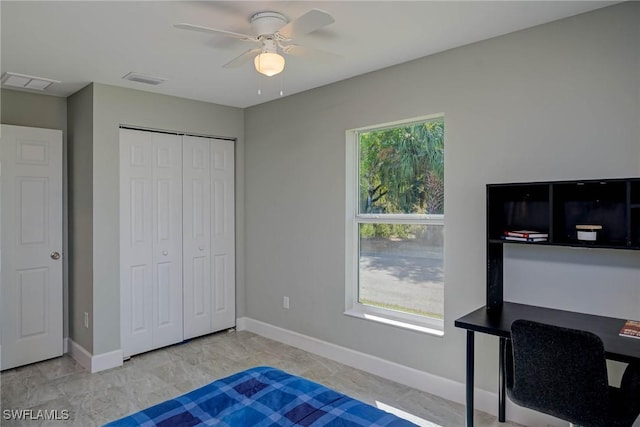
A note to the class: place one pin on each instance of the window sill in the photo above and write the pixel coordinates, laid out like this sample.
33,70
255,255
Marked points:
429,330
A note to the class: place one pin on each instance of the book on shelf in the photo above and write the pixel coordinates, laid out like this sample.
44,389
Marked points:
525,239
526,233
630,329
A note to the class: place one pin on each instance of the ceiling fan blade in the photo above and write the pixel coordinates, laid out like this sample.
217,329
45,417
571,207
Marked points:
242,58
309,52
307,23
226,33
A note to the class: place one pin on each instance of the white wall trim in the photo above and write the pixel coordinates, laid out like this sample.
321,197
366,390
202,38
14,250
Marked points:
104,361
80,355
65,345
446,388
94,363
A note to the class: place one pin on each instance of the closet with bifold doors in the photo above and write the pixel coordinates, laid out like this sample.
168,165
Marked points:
177,238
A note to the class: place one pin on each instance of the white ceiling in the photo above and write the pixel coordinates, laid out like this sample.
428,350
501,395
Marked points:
78,42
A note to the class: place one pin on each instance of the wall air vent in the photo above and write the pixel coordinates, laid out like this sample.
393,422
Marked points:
23,81
143,78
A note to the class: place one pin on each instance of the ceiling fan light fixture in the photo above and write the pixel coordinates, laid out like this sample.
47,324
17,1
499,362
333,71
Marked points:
269,63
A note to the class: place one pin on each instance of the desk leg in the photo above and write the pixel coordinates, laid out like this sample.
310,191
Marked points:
501,381
470,363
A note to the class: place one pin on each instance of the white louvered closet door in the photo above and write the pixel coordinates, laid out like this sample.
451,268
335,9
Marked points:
151,240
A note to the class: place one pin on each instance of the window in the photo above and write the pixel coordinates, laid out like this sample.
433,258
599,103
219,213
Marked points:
395,224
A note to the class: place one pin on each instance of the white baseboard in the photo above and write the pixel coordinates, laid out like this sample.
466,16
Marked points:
104,361
420,380
80,355
94,363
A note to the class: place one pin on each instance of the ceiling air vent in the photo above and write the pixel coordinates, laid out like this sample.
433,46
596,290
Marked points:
23,81
143,78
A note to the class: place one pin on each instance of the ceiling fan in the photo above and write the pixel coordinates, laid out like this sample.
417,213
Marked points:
274,34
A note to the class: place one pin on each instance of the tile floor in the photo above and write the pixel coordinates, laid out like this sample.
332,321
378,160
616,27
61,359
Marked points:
150,378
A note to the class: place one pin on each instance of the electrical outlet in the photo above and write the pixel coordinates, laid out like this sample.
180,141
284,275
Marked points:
86,320
285,302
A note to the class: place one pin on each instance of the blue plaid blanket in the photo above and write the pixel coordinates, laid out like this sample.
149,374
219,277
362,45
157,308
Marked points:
262,396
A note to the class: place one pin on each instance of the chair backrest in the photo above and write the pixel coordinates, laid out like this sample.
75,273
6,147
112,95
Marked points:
558,371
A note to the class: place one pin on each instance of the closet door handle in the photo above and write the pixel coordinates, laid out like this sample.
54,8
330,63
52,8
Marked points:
55,255
201,248
165,253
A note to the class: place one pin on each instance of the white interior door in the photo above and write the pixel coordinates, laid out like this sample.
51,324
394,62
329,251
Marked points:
209,235
31,248
150,240
136,242
197,235
177,254
167,239
223,234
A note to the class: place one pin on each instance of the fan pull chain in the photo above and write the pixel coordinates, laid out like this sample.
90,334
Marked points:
281,84
258,84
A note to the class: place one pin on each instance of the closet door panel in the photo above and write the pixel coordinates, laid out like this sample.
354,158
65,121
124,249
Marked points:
167,239
178,238
196,235
136,241
223,234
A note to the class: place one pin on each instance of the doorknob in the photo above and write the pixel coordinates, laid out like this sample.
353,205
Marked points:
55,255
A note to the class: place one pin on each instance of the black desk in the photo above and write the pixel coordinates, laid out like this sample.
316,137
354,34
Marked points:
498,322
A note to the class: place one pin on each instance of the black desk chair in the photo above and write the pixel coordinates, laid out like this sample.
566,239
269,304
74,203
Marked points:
562,372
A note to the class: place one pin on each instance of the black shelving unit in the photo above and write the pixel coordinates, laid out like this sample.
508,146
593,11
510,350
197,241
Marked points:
556,207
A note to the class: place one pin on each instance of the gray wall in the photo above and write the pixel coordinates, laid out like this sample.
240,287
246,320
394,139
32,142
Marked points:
558,101
113,106
80,120
34,110
42,111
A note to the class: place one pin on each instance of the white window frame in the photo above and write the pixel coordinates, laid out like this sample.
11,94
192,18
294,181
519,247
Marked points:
353,220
